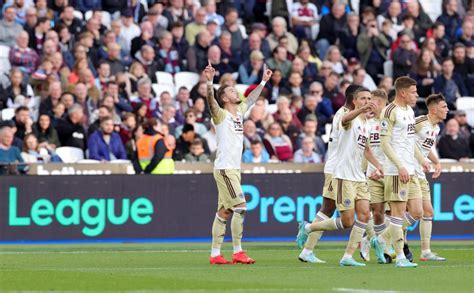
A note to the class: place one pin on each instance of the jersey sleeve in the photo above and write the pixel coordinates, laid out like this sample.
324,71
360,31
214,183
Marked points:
420,122
243,107
219,117
387,121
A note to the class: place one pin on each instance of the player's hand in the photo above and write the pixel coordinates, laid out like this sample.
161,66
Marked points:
426,167
403,174
267,73
370,107
437,172
209,71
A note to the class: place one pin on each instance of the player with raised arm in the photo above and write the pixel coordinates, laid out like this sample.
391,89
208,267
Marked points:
401,186
427,130
352,195
229,130
329,198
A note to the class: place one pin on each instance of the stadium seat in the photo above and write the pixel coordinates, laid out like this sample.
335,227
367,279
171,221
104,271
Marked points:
164,77
4,61
433,8
8,114
118,161
106,18
241,88
388,68
187,79
272,108
145,4
448,161
78,14
467,104
70,154
355,5
235,75
162,87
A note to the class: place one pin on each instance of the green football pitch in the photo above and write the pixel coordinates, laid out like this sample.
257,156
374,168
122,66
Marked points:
185,267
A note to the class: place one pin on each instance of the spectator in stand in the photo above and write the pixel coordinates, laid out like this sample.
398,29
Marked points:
168,56
129,122
183,103
23,57
16,88
404,57
89,104
467,32
149,62
203,115
278,30
103,77
183,143
283,103
310,129
145,96
250,133
372,46
443,46
113,59
177,12
196,152
464,128
46,134
306,153
451,19
168,118
229,56
255,153
31,21
280,61
255,42
393,14
197,53
191,119
32,152
278,144
23,122
195,27
105,144
236,30
304,20
8,152
339,99
424,73
214,56
134,74
70,130
9,29
348,36
128,31
462,65
145,38
276,87
330,25
295,84
179,41
450,84
452,145
252,70
324,110
422,20
289,127
68,19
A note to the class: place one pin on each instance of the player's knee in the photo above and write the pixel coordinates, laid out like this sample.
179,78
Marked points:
328,208
428,213
363,216
379,216
347,222
224,213
416,213
240,210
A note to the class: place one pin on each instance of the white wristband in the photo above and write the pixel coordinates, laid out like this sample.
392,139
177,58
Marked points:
263,82
209,82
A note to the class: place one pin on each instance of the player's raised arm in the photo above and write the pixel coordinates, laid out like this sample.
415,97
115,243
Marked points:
253,96
209,71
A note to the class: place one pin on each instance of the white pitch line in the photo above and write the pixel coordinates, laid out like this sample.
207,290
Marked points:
357,290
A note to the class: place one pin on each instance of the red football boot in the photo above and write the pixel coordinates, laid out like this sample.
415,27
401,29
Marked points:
242,257
219,260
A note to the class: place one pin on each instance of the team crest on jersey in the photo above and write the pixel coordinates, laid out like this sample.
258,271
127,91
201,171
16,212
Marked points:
403,193
347,202
384,124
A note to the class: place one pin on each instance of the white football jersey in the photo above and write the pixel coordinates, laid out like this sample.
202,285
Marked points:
374,142
333,138
400,124
350,151
230,138
426,134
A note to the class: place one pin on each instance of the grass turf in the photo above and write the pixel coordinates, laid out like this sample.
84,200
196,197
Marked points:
185,267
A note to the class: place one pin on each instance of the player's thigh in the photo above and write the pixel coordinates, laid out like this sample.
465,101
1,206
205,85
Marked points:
414,189
425,189
346,192
376,190
415,207
228,186
328,188
394,189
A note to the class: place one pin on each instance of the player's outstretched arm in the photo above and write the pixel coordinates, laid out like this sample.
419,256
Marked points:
351,115
209,71
253,96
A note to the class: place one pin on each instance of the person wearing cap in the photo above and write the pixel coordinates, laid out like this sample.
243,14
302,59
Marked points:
252,70
194,28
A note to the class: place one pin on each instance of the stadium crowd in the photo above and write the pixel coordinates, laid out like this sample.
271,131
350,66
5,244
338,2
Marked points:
83,73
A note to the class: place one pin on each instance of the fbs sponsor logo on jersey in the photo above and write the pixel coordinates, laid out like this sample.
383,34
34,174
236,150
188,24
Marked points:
92,215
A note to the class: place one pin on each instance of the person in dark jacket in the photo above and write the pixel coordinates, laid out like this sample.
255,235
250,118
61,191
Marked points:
450,84
70,130
197,54
329,27
451,20
453,145
404,57
183,143
105,144
45,132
